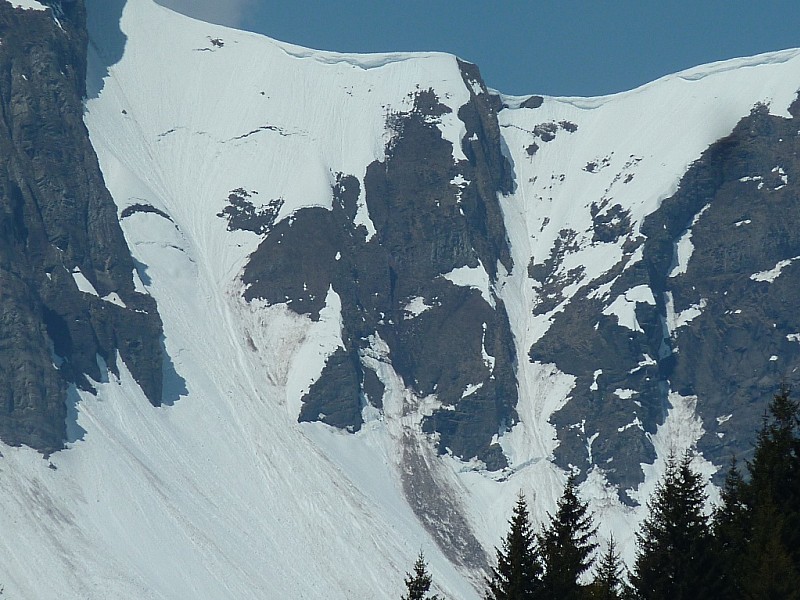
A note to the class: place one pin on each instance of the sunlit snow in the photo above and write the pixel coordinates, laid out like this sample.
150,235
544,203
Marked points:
624,306
222,493
474,277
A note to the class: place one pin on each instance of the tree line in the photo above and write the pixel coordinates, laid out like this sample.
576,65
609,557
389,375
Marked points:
748,548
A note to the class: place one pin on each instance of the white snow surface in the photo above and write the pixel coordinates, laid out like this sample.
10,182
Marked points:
474,277
27,4
772,274
675,320
223,494
635,131
84,285
685,247
415,307
624,306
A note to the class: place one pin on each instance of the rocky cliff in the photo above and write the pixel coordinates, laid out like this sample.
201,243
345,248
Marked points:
69,305
699,308
437,220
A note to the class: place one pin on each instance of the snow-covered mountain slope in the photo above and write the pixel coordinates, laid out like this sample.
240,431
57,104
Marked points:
391,299
609,235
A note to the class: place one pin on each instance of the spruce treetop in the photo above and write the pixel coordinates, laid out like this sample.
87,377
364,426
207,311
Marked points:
518,572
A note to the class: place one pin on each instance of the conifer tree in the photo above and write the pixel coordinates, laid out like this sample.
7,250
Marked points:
757,527
673,555
767,567
419,581
608,581
775,468
732,531
518,573
567,547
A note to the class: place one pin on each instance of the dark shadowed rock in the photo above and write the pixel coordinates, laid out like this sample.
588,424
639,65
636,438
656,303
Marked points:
426,226
740,200
532,102
58,224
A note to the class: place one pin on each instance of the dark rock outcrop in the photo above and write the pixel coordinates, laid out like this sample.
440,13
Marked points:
59,225
432,215
736,344
742,201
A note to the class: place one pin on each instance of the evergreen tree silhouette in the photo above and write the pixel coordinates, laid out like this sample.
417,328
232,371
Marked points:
567,546
518,574
757,526
419,581
609,583
673,557
732,530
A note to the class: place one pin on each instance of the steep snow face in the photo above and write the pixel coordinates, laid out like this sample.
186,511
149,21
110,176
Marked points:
221,492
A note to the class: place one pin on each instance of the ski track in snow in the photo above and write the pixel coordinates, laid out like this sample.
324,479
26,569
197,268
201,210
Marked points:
224,494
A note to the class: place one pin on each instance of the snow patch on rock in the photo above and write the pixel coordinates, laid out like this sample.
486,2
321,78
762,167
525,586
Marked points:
773,273
415,307
684,247
474,277
27,4
624,306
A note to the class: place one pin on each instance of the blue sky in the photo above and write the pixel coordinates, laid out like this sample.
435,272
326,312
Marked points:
566,47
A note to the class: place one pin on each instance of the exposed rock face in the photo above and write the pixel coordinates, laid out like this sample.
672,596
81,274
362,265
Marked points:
715,302
435,218
59,234
743,199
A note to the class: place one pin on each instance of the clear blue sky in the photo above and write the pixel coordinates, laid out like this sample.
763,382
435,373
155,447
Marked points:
566,47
